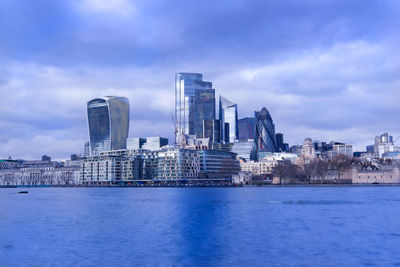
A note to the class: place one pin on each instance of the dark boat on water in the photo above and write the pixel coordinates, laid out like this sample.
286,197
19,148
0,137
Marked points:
23,192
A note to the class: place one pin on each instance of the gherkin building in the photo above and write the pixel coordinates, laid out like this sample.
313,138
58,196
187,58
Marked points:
265,132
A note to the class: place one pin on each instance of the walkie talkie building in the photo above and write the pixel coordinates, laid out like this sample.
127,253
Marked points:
108,121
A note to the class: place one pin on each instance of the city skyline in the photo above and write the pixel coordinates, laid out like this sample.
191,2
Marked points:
337,64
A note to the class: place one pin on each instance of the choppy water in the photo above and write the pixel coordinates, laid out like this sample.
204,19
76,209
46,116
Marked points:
268,226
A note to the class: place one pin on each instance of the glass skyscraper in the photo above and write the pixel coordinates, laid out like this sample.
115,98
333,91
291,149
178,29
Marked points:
265,132
194,102
204,110
108,121
228,114
247,127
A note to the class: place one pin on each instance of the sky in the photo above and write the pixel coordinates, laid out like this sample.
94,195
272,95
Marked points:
325,69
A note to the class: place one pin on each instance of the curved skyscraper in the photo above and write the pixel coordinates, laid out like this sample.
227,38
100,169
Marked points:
265,132
108,120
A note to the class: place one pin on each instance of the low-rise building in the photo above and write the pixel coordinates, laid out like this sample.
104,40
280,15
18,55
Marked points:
384,175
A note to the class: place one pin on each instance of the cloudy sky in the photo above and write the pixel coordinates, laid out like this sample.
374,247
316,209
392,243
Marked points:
329,70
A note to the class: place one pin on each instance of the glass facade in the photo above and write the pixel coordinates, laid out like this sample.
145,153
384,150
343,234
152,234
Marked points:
108,121
247,127
218,164
204,109
265,132
155,143
245,149
135,143
212,130
279,142
186,85
228,114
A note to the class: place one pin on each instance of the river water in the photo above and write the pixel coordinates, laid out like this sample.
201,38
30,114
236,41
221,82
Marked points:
249,226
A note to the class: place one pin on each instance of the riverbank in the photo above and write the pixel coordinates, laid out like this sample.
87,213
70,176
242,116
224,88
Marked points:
204,185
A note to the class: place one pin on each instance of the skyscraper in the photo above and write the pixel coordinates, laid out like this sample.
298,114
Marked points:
108,120
247,127
186,113
204,109
279,142
265,131
228,114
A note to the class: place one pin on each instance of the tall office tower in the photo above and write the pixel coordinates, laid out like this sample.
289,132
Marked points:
204,109
108,119
246,127
186,86
279,142
212,130
383,139
228,114
265,131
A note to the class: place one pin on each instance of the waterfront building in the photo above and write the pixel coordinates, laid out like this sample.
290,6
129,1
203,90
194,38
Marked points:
228,116
9,163
176,164
247,127
108,120
245,149
167,164
45,174
242,178
101,168
217,164
262,167
265,132
186,86
386,175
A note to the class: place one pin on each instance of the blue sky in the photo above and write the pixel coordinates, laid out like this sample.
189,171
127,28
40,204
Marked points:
329,70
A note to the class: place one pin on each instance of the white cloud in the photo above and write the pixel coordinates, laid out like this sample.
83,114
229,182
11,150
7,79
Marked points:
123,8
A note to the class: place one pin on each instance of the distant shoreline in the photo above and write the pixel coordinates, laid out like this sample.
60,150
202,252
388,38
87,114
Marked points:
198,186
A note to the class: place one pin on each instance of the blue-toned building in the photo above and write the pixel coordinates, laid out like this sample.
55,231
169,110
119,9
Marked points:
245,149
247,127
228,116
265,132
189,90
204,110
218,164
108,121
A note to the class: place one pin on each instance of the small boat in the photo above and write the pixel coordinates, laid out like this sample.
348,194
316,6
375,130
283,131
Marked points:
23,192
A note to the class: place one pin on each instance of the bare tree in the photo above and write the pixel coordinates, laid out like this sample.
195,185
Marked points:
286,171
67,177
340,163
322,168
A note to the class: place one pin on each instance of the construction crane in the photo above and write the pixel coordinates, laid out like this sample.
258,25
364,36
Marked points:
175,125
